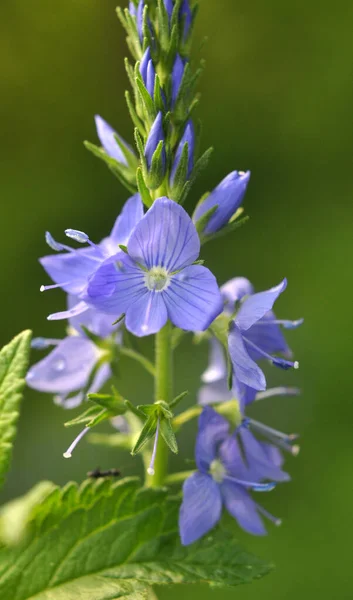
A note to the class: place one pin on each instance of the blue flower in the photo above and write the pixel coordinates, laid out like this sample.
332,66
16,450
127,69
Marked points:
188,138
185,17
71,270
148,73
138,14
169,6
157,280
224,478
177,77
107,136
266,334
227,196
156,136
254,334
65,372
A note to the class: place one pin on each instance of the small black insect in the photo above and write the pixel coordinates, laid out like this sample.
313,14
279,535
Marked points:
98,474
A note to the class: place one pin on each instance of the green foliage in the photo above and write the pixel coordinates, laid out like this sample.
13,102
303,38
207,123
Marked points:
13,366
104,540
125,175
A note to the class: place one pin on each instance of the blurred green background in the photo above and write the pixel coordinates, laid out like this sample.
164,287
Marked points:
277,99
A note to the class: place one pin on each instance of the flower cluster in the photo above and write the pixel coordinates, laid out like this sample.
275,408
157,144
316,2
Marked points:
147,278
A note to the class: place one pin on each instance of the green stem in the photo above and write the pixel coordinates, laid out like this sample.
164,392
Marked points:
186,416
163,391
139,358
178,477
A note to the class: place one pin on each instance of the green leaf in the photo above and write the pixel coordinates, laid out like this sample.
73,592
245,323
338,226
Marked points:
125,176
232,226
105,540
157,171
168,435
143,189
205,219
13,366
178,399
147,433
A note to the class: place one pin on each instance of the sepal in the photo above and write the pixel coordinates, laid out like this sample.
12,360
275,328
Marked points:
124,174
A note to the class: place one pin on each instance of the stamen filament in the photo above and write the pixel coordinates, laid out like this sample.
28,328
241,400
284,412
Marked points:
256,487
71,448
45,288
41,343
268,515
287,447
278,362
277,391
269,431
150,469
286,323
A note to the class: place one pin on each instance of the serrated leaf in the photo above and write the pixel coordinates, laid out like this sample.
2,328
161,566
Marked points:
105,540
13,366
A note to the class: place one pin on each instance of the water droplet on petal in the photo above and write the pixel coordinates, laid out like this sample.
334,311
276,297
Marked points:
59,365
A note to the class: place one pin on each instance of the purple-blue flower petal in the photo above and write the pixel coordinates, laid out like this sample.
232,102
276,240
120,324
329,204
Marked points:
131,214
268,337
215,392
227,196
213,429
241,506
65,369
169,7
217,367
101,377
257,305
193,298
231,458
201,508
245,369
165,237
116,285
71,269
147,314
156,135
177,77
234,290
186,16
78,309
188,138
258,459
97,322
106,136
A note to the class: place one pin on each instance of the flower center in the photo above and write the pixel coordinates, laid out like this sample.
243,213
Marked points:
157,279
217,471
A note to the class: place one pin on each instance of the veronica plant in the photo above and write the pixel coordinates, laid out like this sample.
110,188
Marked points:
147,279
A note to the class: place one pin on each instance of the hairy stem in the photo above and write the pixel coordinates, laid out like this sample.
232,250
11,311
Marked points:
163,391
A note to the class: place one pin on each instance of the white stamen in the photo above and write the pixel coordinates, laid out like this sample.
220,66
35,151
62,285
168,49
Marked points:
71,448
79,236
268,515
278,391
269,431
296,365
44,288
41,343
150,469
